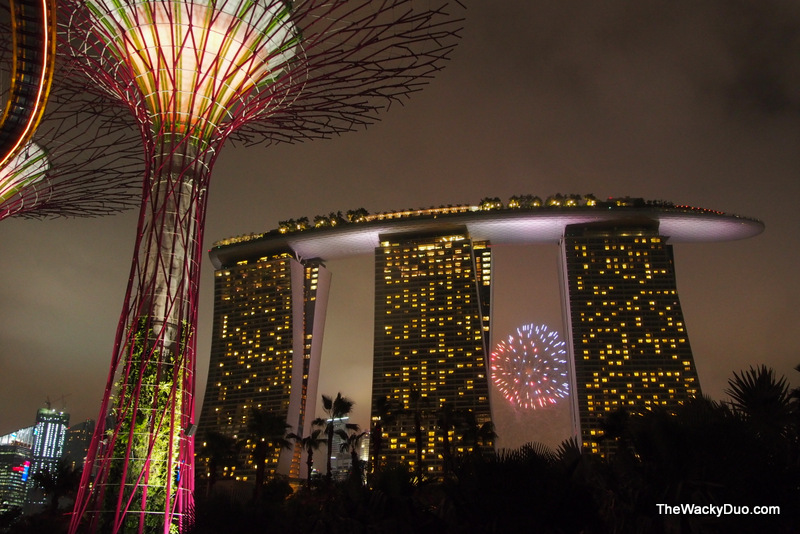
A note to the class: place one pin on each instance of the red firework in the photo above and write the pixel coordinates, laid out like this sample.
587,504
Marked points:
530,370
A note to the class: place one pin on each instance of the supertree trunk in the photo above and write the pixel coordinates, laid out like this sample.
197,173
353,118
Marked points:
144,479
194,73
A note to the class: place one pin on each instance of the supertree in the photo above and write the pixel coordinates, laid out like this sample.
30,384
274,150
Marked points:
195,73
31,27
530,370
74,167
60,158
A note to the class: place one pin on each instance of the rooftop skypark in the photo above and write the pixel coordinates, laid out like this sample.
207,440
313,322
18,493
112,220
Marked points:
554,212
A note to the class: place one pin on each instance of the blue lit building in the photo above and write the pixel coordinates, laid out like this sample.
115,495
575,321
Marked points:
49,435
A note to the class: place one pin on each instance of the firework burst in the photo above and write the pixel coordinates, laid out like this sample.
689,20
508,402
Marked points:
530,370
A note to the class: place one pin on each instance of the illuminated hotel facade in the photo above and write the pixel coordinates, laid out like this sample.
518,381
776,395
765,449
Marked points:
269,315
432,298
630,348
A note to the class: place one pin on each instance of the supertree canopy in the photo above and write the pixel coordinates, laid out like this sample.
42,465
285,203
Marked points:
31,26
193,74
530,370
69,161
23,171
74,167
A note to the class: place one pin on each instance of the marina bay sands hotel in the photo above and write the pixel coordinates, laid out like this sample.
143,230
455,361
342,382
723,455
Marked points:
627,343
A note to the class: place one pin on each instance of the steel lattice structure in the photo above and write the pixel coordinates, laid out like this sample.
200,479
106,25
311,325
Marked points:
77,162
33,34
195,73
76,166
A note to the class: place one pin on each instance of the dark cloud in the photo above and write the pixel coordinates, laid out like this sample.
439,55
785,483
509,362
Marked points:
740,55
763,46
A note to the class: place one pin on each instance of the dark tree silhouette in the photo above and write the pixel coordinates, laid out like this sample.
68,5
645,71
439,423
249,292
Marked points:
703,453
420,405
447,419
334,409
383,413
267,432
762,398
57,482
219,450
309,444
351,439
477,437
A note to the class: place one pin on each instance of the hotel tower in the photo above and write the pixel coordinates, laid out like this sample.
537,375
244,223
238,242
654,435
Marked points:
628,345
432,296
269,315
625,326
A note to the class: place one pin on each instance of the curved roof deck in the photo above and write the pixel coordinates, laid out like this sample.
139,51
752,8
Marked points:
500,226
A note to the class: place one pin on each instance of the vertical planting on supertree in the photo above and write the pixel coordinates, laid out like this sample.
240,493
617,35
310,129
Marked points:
194,74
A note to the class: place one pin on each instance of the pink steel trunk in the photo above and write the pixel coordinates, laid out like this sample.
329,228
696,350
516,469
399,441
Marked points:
193,73
154,363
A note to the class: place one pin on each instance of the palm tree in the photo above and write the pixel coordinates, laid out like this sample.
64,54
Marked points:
795,393
335,409
763,399
358,215
383,414
351,439
705,451
267,431
220,450
419,404
309,444
447,418
491,203
795,412
615,437
477,437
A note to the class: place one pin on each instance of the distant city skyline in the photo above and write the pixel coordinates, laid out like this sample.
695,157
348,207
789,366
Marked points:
16,455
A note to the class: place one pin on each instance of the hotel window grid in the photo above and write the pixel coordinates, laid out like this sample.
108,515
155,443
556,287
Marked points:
629,342
432,296
263,344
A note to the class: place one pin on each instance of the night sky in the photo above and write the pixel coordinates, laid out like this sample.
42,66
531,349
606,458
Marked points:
692,102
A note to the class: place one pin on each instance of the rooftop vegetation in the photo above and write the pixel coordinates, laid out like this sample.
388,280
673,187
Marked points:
493,204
